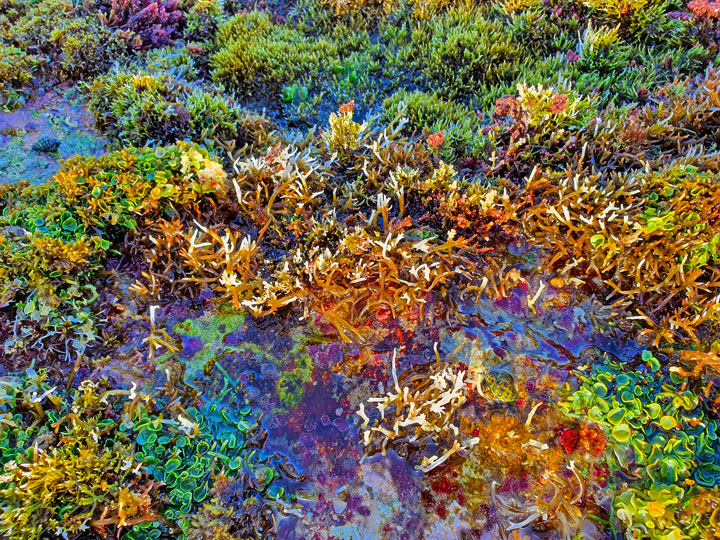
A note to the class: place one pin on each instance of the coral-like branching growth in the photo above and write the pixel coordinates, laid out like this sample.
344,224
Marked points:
57,236
366,272
344,268
649,233
420,408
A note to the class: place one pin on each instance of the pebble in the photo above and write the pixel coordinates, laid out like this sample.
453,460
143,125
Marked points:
46,144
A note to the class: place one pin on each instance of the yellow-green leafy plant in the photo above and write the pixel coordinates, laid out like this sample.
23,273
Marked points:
344,134
57,236
617,9
16,70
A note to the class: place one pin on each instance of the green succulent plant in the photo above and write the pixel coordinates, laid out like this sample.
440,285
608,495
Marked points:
658,429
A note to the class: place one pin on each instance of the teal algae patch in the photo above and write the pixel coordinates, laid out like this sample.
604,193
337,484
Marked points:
209,343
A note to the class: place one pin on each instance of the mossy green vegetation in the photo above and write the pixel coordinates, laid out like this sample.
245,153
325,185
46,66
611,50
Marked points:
139,107
257,55
16,70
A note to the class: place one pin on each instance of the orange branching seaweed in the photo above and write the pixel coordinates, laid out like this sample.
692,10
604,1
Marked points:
563,505
282,190
227,259
333,230
700,361
397,269
648,236
476,208
684,115
367,270
202,255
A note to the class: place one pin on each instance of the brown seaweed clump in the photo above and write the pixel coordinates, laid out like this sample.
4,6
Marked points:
649,237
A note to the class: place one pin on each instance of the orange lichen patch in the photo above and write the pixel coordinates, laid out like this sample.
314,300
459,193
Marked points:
705,9
559,103
506,446
348,107
436,140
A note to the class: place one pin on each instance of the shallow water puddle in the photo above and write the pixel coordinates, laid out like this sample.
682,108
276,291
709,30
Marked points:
57,116
308,385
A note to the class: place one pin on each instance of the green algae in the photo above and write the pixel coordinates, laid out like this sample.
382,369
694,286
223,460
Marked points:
290,384
211,328
523,116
